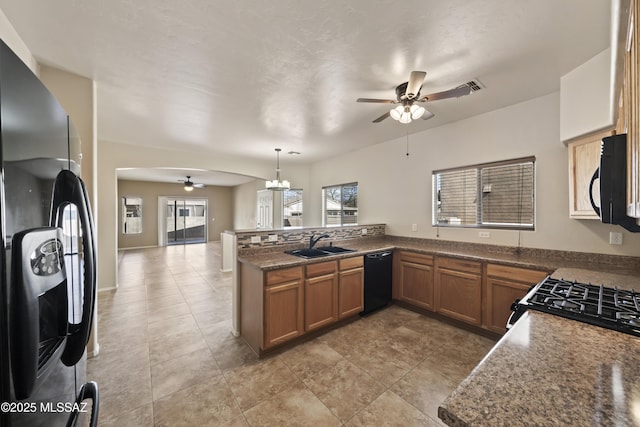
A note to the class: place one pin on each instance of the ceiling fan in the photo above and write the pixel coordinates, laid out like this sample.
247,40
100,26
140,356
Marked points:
408,93
189,185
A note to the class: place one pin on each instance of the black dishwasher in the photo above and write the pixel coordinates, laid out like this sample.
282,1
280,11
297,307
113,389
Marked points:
377,281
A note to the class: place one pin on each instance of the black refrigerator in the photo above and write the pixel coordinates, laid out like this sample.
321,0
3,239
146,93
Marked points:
48,258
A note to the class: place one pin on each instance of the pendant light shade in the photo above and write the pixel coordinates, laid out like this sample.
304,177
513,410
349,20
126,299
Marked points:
277,184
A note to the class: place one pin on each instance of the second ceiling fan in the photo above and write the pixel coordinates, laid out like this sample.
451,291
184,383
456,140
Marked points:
408,93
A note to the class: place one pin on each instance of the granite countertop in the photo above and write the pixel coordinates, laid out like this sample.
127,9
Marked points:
274,257
548,370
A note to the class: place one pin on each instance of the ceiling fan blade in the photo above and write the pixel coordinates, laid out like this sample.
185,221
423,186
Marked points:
452,93
379,101
415,82
427,115
382,117
199,185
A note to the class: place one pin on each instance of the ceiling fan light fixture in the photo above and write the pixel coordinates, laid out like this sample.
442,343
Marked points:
277,184
417,111
188,184
406,118
396,112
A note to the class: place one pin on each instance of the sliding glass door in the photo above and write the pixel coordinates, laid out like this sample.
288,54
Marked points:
186,221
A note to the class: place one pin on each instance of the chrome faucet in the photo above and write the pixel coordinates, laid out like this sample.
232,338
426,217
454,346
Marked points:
313,240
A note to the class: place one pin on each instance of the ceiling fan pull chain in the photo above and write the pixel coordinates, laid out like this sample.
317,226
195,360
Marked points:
407,141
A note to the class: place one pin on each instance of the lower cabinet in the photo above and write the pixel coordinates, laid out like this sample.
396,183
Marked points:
504,285
414,279
320,295
351,287
283,306
458,289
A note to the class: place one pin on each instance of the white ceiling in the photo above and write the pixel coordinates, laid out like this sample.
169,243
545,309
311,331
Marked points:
243,77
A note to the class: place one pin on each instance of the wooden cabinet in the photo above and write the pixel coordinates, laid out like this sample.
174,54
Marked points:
351,294
504,285
584,159
413,279
320,295
630,112
283,306
458,289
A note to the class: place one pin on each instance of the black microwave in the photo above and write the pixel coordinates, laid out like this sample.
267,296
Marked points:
613,183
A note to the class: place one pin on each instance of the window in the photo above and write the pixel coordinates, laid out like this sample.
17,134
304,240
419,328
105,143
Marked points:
292,208
491,195
131,215
340,204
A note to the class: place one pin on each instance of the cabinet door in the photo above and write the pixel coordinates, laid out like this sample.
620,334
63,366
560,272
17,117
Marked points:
283,313
584,159
501,293
351,292
416,284
320,301
458,294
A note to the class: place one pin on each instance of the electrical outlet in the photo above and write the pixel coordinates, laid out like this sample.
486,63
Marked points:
364,231
255,239
414,227
484,234
615,238
273,237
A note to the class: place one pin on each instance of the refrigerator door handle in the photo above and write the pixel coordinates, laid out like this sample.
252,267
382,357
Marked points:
70,190
87,391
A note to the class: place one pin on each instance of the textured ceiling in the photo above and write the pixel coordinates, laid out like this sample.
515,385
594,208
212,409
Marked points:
242,77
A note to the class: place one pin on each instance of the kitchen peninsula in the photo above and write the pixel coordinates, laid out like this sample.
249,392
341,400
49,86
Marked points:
549,370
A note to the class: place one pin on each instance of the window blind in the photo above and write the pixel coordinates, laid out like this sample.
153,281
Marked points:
496,195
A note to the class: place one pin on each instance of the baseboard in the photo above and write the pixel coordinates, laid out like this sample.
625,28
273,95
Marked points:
138,247
111,288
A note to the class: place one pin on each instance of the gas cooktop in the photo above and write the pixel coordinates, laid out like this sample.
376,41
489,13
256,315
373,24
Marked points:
607,307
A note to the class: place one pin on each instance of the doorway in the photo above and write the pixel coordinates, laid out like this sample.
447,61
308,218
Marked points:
185,221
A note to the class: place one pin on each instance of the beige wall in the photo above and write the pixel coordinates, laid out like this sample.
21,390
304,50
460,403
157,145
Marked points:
11,38
396,190
220,209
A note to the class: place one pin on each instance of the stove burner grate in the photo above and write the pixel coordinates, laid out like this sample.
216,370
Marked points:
611,308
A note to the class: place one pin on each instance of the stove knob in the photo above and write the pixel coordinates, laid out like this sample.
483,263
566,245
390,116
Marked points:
514,305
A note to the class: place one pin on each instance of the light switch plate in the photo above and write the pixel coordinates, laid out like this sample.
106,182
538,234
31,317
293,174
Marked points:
414,227
255,239
273,237
484,234
364,231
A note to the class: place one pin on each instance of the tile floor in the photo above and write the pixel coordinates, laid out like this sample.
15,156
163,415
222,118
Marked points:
167,357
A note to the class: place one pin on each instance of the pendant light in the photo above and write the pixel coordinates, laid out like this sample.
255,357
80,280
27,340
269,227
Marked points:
276,184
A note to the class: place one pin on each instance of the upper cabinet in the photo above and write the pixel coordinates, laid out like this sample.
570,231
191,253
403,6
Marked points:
629,120
585,98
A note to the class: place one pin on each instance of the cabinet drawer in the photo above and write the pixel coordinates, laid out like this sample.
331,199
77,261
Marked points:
523,275
349,263
416,258
321,268
283,275
460,265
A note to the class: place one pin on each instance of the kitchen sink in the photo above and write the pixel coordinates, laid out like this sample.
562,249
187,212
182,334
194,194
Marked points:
308,253
319,252
334,249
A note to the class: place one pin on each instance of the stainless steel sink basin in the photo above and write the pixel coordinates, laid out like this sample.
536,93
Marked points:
319,252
